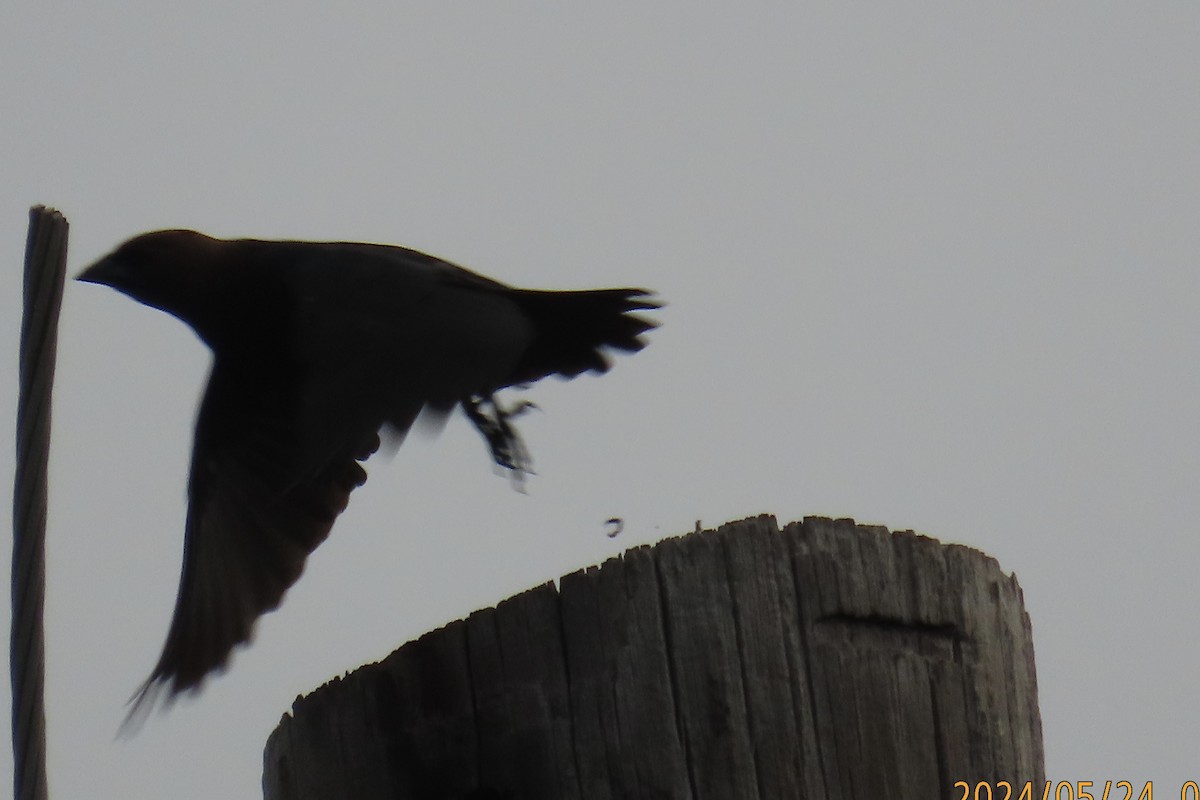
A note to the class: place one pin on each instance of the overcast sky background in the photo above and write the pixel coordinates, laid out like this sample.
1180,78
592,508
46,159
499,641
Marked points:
929,266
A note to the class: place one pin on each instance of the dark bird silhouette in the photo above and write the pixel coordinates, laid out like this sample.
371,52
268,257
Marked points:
317,346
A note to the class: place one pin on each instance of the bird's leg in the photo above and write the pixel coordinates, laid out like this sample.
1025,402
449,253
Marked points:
508,451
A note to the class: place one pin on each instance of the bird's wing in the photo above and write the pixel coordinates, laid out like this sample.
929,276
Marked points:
256,509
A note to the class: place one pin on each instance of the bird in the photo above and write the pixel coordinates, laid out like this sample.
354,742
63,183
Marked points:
317,349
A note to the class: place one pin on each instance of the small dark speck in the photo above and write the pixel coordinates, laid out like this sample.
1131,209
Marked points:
615,526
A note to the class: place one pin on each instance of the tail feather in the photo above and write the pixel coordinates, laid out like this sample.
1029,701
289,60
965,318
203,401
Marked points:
574,329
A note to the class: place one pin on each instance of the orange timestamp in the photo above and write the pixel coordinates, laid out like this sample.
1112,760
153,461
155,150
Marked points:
1066,790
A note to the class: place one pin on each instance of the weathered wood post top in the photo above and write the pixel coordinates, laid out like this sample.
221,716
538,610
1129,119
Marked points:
824,660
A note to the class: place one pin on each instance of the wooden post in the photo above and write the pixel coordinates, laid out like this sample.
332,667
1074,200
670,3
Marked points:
823,661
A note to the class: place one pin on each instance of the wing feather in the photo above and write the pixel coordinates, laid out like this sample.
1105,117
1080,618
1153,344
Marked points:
255,512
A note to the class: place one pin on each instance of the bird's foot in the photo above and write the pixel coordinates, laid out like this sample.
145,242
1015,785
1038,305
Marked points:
508,450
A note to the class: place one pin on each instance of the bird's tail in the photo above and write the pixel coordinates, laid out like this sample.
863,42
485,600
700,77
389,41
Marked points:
574,329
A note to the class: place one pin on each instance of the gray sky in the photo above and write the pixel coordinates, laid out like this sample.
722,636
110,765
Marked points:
929,266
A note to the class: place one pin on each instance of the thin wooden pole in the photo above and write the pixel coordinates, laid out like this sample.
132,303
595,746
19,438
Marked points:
45,268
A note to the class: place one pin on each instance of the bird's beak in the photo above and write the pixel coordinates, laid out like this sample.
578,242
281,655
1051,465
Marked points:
106,271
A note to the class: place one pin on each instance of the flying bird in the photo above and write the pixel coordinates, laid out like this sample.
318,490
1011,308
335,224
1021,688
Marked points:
317,347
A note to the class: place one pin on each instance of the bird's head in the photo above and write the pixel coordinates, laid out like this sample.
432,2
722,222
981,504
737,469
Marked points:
175,271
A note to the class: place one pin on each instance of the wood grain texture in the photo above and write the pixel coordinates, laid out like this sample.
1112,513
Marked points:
823,661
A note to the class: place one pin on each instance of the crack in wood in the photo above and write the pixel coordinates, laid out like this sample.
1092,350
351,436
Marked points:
931,640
